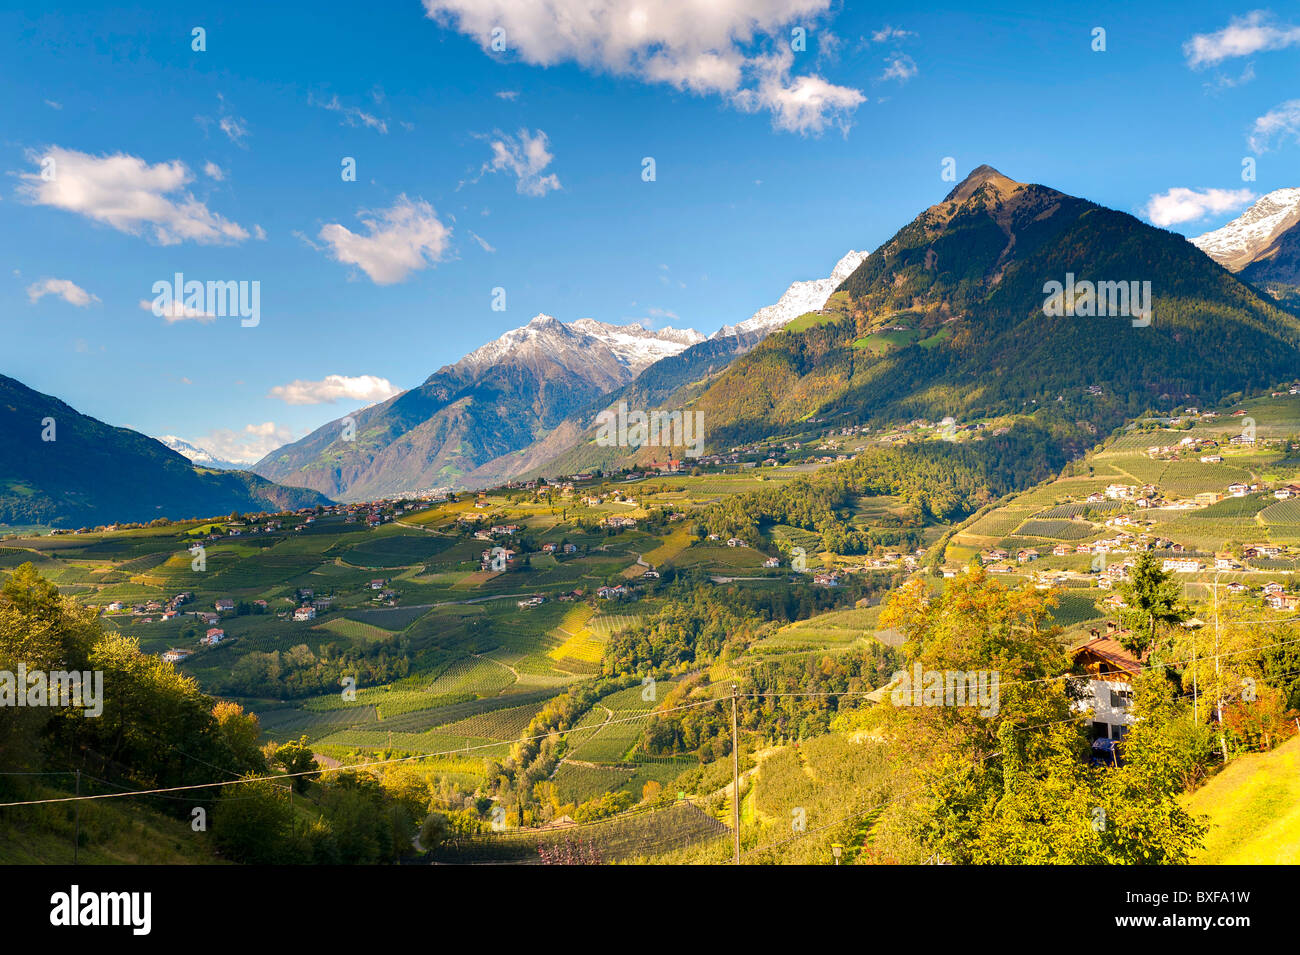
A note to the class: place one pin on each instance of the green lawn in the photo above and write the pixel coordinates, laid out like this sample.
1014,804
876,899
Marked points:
1254,810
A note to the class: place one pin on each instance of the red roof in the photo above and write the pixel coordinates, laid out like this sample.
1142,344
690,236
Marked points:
1110,652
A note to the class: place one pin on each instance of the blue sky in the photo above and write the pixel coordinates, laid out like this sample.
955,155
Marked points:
522,168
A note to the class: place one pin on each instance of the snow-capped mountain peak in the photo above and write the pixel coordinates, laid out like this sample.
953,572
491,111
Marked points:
799,298
197,454
1237,244
632,346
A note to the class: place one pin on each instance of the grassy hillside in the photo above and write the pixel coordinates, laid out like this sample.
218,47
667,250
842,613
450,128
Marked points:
1254,810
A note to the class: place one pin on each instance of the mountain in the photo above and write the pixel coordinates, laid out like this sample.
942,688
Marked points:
799,299
672,381
64,468
949,317
495,400
1250,237
197,455
568,448
1277,267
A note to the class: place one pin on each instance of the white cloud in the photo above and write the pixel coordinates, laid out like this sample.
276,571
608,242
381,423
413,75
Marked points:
367,389
508,95
525,158
70,292
179,312
1179,204
400,240
487,247
1242,36
887,33
802,104
1279,122
213,171
53,104
706,47
248,446
899,67
128,194
235,128
352,115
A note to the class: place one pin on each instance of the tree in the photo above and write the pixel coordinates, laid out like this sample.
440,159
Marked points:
1154,598
296,757
238,731
1013,785
253,823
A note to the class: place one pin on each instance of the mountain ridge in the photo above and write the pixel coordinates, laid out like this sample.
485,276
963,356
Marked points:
496,400
64,468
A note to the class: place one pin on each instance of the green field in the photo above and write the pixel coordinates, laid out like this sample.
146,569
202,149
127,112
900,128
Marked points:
1253,810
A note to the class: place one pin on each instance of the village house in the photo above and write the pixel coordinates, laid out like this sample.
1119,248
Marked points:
224,604
213,637
486,559
1282,602
1109,671
176,656
1180,565
304,613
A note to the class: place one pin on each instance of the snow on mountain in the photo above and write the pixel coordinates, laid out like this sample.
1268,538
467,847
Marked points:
198,455
799,298
1235,245
585,341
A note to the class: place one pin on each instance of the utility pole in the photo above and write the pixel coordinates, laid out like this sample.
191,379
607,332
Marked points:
76,842
1218,685
735,776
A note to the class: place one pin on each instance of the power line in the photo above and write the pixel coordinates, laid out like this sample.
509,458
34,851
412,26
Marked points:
352,766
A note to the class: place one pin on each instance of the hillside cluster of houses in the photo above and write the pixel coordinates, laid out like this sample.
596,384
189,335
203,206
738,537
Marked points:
166,610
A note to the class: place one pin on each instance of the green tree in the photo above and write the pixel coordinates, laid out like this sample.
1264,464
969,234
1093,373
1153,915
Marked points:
1154,599
296,757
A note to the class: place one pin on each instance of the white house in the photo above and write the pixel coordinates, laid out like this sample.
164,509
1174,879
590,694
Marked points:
1107,685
